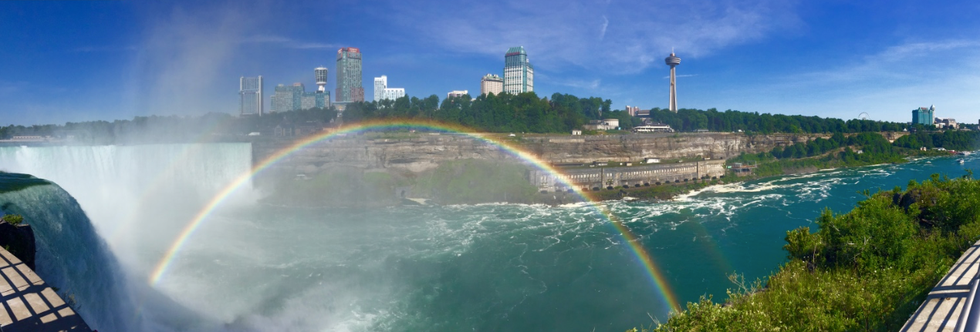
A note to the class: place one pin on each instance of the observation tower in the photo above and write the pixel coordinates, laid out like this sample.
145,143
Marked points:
321,79
673,61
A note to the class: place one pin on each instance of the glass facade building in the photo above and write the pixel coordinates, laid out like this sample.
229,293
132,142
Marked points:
294,97
349,87
250,95
923,116
518,72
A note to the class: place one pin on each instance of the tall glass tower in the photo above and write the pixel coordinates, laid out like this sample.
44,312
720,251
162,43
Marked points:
349,88
518,72
250,95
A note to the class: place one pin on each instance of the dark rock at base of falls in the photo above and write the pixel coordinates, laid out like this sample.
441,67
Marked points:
18,240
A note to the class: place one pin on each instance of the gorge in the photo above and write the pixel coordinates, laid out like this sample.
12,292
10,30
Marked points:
497,266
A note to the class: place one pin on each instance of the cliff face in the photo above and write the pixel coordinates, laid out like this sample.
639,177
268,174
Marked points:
623,148
20,241
377,168
416,153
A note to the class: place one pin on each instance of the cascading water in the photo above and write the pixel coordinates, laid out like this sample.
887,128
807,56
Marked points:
138,199
486,267
70,255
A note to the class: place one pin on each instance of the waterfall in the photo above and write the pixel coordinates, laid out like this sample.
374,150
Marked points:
132,202
70,255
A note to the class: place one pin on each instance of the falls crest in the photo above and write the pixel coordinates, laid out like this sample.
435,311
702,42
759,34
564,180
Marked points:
120,210
70,255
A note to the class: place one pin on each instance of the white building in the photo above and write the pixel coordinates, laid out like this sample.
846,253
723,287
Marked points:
605,124
491,83
654,128
382,91
948,123
457,93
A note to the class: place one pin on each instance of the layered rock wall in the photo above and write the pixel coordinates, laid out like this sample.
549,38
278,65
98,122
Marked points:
416,153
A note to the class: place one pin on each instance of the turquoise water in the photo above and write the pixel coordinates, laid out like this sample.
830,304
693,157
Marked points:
488,267
498,267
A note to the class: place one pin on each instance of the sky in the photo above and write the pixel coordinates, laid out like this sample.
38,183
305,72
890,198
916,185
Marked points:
71,61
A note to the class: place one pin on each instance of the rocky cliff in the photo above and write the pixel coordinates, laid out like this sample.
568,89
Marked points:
418,152
18,240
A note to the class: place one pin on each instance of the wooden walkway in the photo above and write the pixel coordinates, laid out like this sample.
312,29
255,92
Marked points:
28,304
942,308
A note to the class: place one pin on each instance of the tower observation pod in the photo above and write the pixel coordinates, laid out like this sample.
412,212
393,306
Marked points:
673,61
321,78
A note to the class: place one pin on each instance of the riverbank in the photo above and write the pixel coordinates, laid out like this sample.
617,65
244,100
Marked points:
867,269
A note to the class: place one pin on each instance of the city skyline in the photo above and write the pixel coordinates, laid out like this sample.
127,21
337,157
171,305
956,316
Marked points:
832,59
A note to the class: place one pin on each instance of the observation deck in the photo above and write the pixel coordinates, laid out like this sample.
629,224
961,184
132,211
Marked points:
28,304
943,307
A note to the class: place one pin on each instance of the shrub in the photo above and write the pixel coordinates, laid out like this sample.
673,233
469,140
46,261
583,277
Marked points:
868,269
13,219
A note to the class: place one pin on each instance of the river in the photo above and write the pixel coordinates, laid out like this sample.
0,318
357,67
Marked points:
485,267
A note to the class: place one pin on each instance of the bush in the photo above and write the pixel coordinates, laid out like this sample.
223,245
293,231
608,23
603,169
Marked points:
13,219
868,269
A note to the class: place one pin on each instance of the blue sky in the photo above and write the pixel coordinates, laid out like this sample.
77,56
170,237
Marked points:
102,60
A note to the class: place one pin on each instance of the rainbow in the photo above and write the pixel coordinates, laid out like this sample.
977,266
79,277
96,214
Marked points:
652,270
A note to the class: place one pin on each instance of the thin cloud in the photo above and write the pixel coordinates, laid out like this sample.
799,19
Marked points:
94,49
885,83
285,42
581,84
602,30
896,64
9,88
557,31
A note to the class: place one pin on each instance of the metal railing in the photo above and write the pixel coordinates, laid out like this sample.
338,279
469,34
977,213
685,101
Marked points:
970,316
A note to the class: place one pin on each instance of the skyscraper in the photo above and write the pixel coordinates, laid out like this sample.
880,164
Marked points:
491,84
673,61
349,88
250,95
518,72
288,98
380,83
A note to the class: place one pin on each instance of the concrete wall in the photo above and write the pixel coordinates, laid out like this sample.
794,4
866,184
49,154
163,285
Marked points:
601,177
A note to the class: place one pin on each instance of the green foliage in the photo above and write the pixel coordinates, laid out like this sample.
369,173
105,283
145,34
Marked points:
520,113
950,140
728,121
13,219
864,270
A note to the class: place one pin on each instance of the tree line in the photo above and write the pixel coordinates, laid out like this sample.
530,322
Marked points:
728,121
525,112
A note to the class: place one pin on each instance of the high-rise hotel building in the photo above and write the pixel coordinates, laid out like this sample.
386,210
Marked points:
250,95
518,72
491,83
349,88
